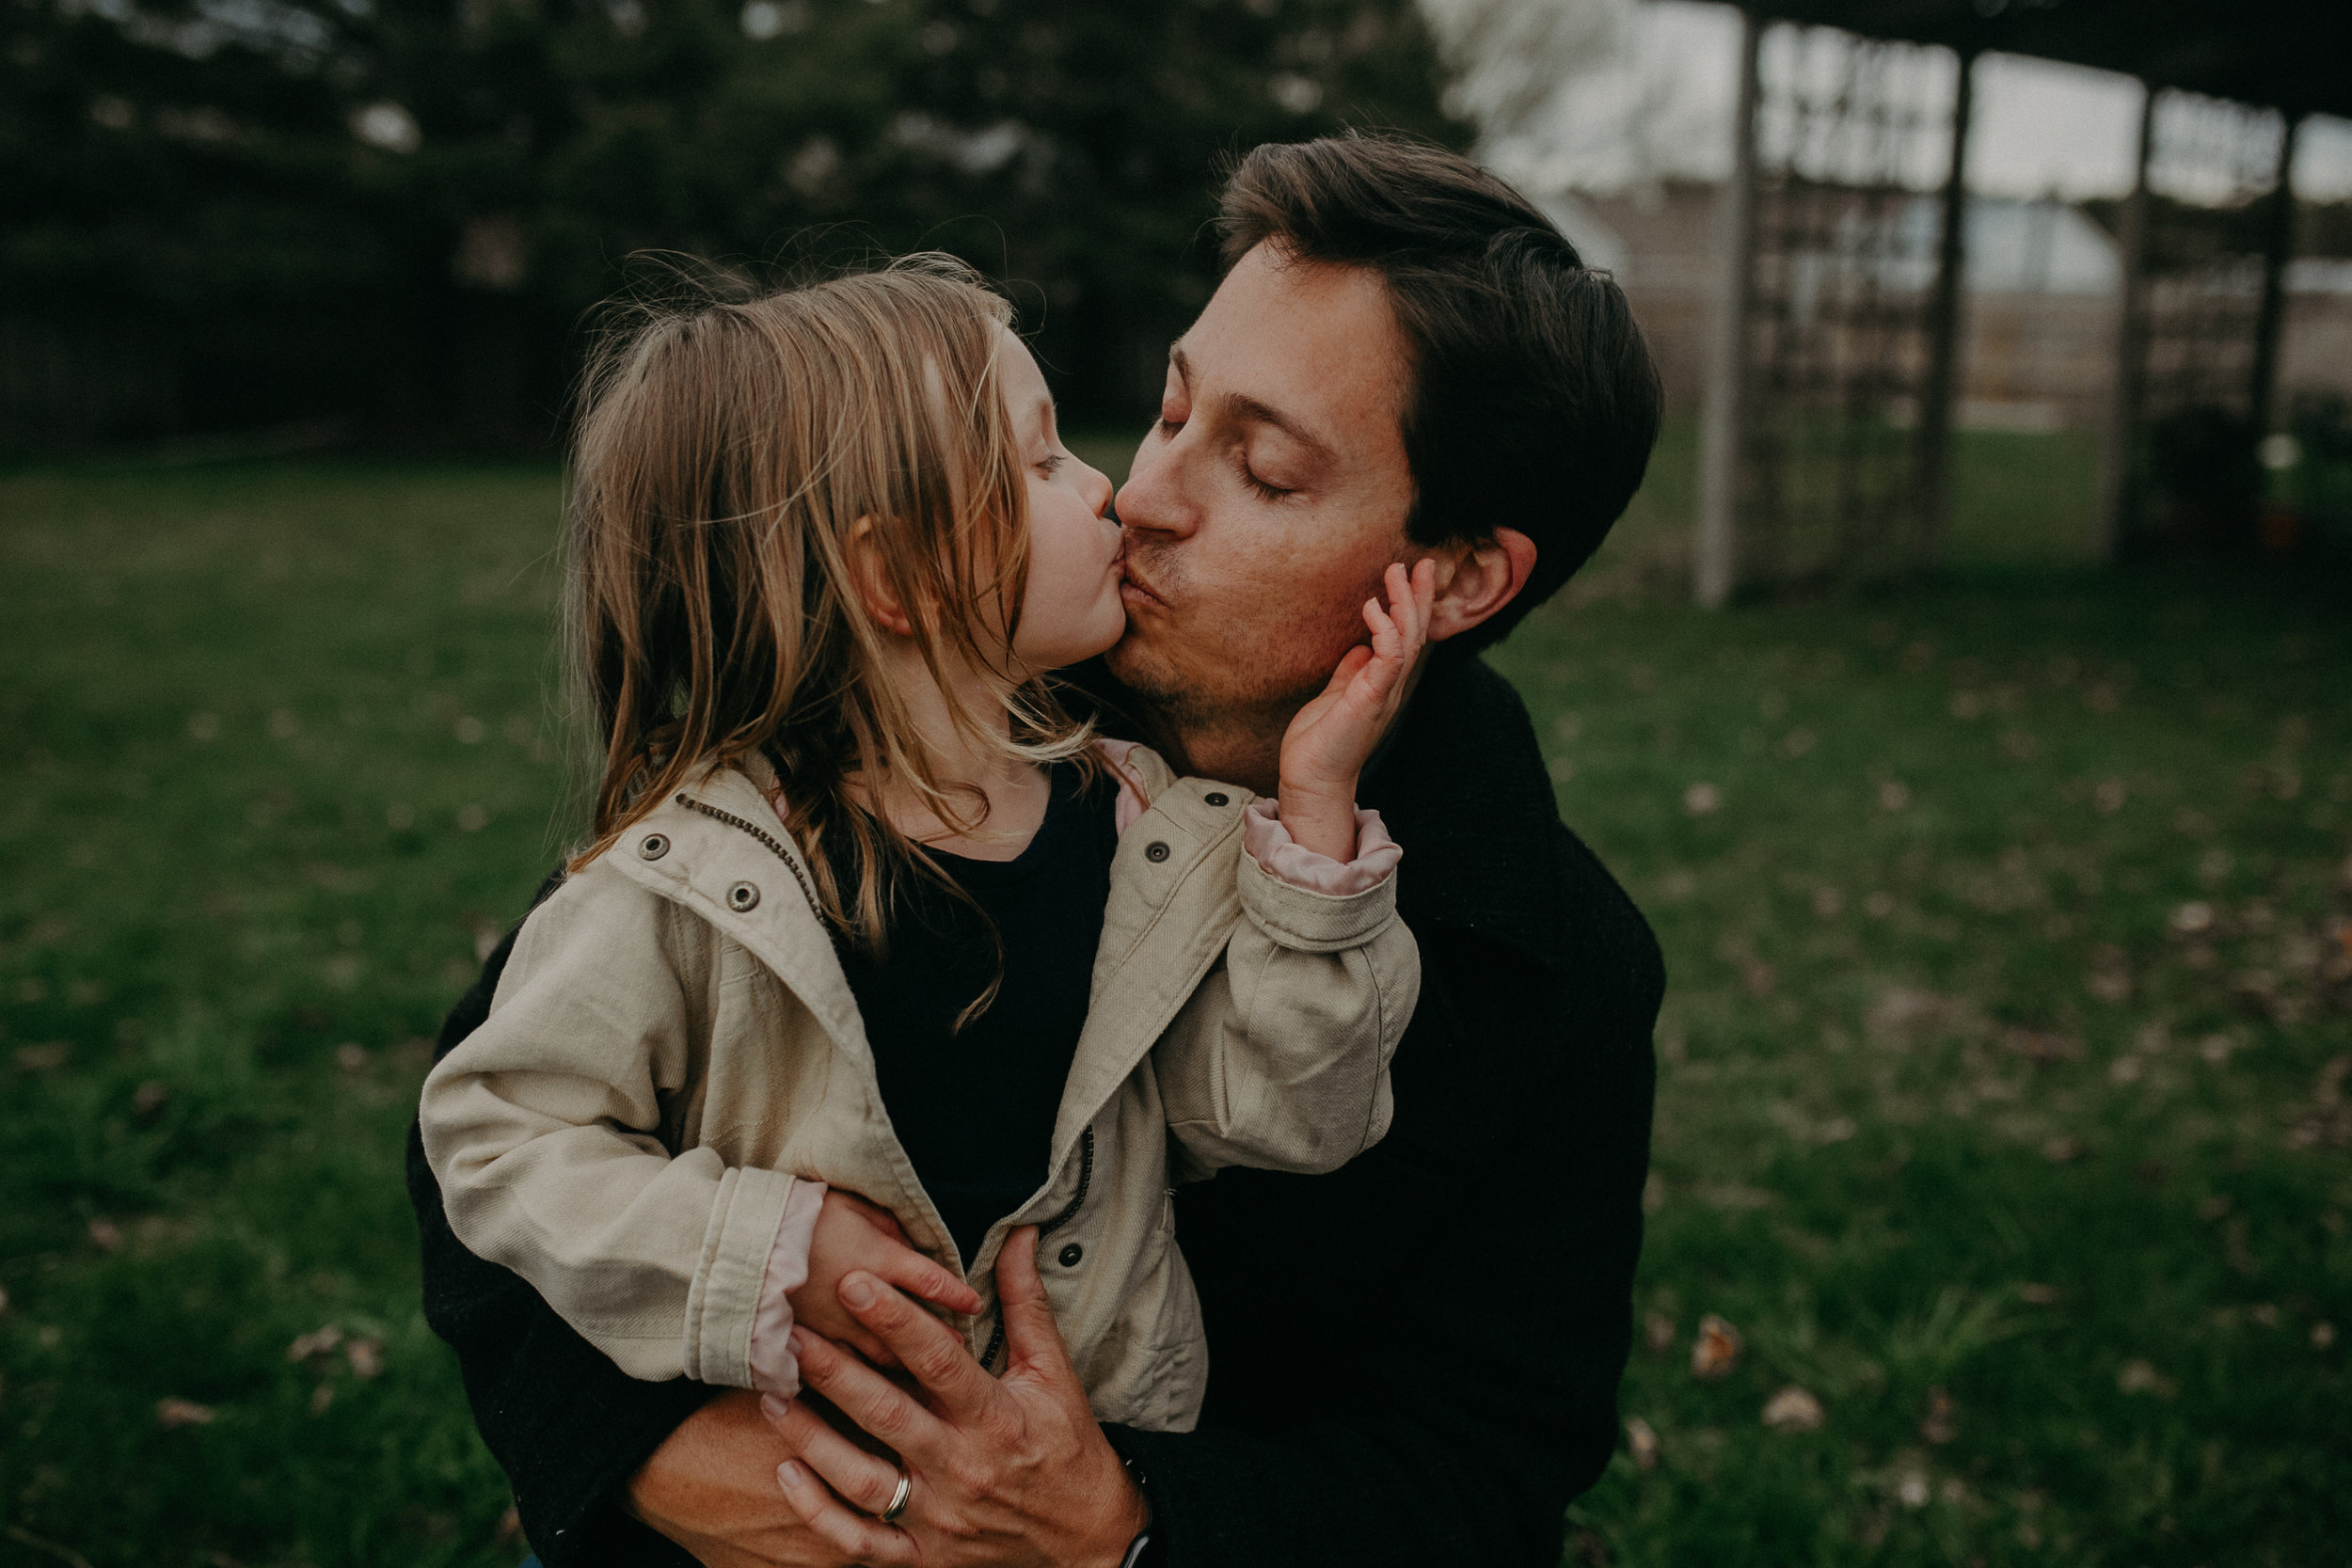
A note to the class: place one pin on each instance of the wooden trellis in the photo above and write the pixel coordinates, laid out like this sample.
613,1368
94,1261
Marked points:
2205,238
1832,359
1836,327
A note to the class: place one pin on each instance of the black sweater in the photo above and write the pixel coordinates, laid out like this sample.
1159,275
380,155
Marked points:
974,1107
1414,1359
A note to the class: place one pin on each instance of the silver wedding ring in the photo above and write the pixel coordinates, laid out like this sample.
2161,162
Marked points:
897,1499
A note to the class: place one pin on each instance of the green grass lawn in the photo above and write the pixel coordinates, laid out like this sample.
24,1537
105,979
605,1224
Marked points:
2003,1067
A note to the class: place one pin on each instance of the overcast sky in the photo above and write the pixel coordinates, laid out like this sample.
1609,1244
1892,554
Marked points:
1648,90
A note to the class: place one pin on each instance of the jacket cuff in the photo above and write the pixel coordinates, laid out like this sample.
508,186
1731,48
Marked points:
775,1369
1310,901
1283,858
724,1298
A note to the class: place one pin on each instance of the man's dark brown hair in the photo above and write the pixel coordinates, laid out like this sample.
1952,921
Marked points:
1535,403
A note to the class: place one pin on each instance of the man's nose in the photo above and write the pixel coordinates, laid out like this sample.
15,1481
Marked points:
1154,500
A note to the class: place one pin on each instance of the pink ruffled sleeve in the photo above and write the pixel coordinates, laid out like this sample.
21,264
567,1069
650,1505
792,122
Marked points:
775,1369
1282,858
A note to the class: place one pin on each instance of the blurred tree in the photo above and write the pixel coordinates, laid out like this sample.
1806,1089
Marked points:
222,213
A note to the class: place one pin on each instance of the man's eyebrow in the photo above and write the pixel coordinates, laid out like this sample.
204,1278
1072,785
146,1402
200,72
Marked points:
1249,408
1239,406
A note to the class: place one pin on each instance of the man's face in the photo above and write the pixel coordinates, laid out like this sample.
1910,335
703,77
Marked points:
1269,497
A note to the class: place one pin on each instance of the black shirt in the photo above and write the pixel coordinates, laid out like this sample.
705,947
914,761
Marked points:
974,1108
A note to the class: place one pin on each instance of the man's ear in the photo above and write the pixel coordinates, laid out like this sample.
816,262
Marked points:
871,578
1478,580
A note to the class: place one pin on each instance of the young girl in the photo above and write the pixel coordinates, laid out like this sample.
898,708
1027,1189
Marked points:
878,954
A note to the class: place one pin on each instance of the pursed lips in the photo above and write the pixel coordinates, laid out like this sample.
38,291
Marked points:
1138,587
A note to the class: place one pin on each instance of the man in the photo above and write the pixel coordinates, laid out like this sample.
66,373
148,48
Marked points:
1414,1359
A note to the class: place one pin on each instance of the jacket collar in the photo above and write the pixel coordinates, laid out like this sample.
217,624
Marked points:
719,833
717,839
1168,857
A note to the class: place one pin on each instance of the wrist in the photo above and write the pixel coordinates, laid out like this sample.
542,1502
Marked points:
1307,792
1323,824
1128,1543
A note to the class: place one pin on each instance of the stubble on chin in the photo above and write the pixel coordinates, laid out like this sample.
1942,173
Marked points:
1198,674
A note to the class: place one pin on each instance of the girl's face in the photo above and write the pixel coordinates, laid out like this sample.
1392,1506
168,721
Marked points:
1072,610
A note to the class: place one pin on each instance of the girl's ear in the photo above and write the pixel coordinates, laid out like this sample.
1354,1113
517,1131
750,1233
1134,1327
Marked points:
870,575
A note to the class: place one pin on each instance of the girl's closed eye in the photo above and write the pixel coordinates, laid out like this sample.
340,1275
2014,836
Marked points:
1053,463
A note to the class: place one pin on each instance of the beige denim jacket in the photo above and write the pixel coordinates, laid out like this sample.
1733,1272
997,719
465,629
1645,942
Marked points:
673,1042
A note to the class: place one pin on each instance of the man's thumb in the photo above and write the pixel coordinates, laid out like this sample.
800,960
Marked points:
1032,1338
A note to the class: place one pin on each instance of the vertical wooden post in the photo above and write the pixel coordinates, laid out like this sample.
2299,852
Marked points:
1932,465
2277,252
2131,253
1716,549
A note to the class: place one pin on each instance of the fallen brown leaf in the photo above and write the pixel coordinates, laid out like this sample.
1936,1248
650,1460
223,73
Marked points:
1642,1443
171,1414
1794,1409
2042,1045
317,1342
366,1357
1657,1333
1716,1350
1936,1426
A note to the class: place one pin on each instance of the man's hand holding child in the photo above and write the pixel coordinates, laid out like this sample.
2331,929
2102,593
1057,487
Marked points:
852,1234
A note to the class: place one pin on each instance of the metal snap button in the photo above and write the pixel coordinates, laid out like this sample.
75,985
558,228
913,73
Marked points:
1217,798
654,847
1156,852
742,898
1070,1254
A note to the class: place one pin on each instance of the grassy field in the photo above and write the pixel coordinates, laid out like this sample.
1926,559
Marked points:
2003,1071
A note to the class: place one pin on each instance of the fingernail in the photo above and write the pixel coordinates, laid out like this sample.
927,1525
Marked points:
858,1292
798,1341
773,1407
789,1474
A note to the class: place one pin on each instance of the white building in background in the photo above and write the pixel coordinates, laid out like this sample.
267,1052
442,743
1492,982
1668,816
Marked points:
2038,310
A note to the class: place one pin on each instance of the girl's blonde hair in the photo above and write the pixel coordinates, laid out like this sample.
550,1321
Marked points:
726,452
